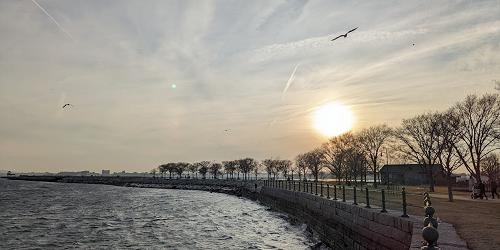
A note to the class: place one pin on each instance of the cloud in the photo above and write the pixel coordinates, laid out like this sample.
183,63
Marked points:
228,61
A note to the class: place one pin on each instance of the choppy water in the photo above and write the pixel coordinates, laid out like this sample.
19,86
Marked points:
58,215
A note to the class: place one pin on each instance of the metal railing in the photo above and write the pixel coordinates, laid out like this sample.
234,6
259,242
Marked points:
369,197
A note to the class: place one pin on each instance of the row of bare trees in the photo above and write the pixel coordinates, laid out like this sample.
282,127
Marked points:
466,134
349,156
243,166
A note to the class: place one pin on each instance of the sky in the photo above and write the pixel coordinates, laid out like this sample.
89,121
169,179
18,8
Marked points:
160,81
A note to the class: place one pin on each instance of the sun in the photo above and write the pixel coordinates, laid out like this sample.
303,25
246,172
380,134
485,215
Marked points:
332,119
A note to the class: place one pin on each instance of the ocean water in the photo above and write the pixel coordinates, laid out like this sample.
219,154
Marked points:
42,215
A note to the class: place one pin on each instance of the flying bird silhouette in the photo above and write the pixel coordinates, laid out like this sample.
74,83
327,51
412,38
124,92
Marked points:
344,35
66,105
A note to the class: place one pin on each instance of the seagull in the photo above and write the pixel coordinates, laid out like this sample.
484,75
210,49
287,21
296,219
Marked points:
66,105
345,35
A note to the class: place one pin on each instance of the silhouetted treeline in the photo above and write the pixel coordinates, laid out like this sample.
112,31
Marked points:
467,134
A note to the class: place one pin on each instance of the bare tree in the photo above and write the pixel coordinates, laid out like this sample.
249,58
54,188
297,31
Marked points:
300,162
180,167
335,153
193,168
448,158
215,169
355,162
247,165
371,141
162,169
491,167
171,167
421,142
269,165
230,167
257,169
479,130
203,167
314,162
284,166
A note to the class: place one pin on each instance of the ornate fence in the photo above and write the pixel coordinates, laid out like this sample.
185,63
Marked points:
369,198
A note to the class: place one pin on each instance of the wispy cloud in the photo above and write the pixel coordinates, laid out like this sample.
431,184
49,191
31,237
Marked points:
53,20
235,66
289,82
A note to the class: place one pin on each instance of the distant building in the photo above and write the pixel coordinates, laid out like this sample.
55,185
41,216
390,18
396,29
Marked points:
462,177
412,174
134,174
105,172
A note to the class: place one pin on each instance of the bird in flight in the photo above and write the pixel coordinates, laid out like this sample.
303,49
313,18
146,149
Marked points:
67,105
345,35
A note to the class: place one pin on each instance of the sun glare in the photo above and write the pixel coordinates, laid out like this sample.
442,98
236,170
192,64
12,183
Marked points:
333,119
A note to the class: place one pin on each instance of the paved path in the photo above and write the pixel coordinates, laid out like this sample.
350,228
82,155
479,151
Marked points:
463,198
448,237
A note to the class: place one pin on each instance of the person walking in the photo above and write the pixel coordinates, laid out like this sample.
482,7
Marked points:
482,189
493,187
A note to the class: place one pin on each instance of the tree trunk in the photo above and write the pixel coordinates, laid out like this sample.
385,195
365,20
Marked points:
450,193
431,179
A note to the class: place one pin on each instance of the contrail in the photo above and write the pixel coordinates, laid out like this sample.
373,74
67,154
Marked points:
53,20
289,82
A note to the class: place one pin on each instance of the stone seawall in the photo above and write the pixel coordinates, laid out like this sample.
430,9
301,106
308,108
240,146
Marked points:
342,225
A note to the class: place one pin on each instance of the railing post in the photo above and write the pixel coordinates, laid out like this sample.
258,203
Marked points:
311,188
299,185
343,193
321,189
354,190
430,232
335,192
293,183
316,185
383,202
367,198
328,191
403,193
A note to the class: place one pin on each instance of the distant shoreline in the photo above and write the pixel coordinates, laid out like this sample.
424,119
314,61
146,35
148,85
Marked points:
231,187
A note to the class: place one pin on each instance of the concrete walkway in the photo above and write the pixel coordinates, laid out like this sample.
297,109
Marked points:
464,198
448,237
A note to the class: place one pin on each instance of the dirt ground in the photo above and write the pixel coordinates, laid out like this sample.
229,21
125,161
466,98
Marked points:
476,221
